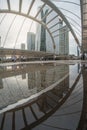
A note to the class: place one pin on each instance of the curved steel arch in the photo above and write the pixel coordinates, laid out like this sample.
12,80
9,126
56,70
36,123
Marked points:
9,30
3,18
57,10
54,8
33,18
70,12
69,2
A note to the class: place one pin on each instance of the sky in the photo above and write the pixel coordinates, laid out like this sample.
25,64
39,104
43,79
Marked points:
14,28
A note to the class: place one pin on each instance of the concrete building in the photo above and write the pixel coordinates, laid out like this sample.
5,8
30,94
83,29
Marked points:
30,41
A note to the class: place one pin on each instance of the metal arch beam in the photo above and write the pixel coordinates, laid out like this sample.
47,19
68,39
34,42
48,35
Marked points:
20,5
54,25
58,29
69,2
56,9
46,15
3,18
8,2
33,18
76,28
70,12
60,34
52,19
19,33
9,29
40,10
73,20
30,7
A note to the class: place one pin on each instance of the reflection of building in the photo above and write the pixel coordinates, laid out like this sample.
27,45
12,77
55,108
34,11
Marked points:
37,79
57,93
31,80
63,39
24,76
43,78
43,104
0,41
22,46
30,41
1,84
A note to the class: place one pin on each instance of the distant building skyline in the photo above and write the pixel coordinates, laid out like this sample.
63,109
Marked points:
63,39
31,41
23,46
43,31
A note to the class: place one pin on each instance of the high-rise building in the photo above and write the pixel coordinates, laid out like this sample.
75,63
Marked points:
1,83
0,41
43,40
41,32
63,39
22,46
30,41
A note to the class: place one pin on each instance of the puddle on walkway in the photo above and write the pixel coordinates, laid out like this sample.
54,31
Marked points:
41,96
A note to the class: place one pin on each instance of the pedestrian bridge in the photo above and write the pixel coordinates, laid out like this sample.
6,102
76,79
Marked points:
27,53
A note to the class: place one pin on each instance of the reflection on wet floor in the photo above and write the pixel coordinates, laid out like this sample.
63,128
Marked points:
38,97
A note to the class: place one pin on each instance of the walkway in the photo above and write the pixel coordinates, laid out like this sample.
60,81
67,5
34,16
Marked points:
62,106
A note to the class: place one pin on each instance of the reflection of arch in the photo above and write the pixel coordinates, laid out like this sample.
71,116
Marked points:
54,8
83,120
45,112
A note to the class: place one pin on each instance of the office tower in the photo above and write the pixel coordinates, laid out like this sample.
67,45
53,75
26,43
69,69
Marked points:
22,46
30,41
1,83
43,40
43,31
63,39
0,41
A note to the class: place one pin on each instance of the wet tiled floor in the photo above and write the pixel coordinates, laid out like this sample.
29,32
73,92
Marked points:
43,96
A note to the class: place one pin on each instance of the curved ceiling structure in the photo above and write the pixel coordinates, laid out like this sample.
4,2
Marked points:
30,9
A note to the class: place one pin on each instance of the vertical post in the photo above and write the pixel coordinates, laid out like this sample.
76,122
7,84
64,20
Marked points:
77,51
0,41
64,42
54,47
